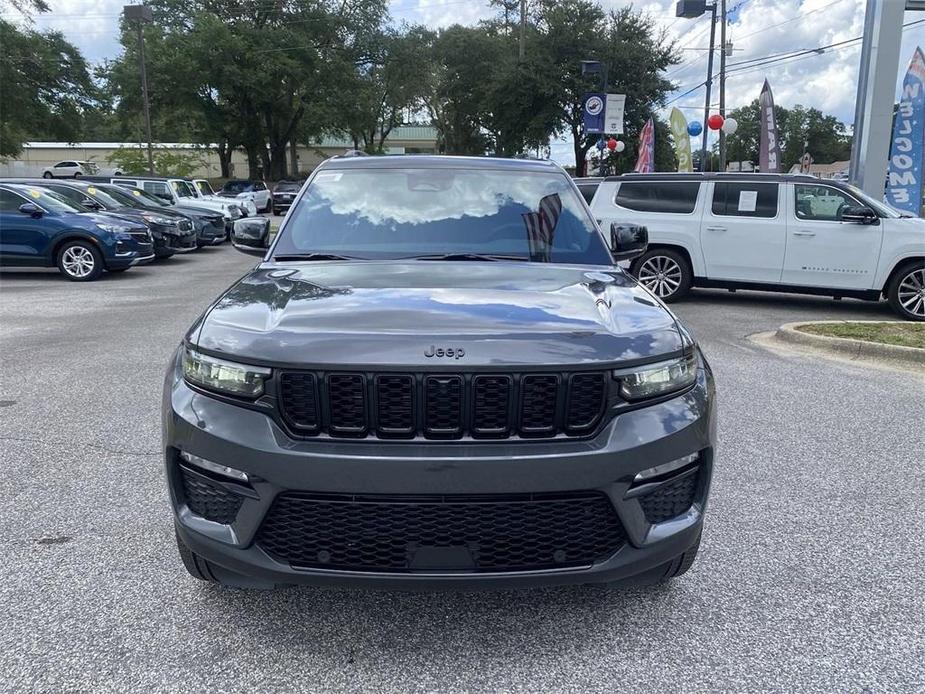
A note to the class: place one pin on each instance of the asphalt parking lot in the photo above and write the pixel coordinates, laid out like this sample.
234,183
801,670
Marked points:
809,576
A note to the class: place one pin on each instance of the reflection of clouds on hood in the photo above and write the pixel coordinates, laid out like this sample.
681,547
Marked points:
430,195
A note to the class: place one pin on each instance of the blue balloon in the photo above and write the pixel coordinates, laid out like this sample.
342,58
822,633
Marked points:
694,128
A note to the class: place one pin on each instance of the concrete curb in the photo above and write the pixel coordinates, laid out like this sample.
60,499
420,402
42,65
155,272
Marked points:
853,349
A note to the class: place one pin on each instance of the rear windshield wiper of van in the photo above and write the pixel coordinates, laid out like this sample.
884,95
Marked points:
313,256
466,256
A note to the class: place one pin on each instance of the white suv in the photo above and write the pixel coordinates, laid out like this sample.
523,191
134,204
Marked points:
70,169
774,232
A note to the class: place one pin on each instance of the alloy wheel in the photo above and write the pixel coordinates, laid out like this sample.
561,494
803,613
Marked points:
911,293
78,261
661,275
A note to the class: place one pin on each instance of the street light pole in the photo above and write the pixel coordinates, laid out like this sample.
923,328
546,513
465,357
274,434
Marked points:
709,83
722,83
142,14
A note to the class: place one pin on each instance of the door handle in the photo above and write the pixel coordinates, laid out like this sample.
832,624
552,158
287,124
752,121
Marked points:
716,228
804,233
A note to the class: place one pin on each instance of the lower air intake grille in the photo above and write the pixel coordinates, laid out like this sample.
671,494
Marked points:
208,499
671,499
441,533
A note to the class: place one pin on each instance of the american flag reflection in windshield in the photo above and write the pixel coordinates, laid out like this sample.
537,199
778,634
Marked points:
541,227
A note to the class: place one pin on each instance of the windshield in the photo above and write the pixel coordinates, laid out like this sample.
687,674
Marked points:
879,207
400,213
205,188
138,198
183,189
51,201
238,187
104,198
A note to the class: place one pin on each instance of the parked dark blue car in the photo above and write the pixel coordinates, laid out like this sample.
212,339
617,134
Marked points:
39,228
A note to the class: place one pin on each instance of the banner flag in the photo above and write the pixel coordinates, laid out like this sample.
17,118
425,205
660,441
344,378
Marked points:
646,161
593,108
904,183
769,150
682,140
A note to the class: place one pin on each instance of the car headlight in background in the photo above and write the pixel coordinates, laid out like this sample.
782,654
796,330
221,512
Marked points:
223,376
654,380
112,228
158,219
234,211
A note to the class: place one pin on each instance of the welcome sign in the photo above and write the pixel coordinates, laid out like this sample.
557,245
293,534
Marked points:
904,183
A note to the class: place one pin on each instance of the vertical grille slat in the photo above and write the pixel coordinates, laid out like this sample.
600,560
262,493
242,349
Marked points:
491,406
347,403
585,401
442,406
395,406
539,394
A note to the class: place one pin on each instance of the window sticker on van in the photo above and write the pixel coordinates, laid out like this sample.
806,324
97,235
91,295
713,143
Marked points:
748,200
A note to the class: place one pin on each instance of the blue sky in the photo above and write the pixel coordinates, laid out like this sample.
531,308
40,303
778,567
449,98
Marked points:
757,28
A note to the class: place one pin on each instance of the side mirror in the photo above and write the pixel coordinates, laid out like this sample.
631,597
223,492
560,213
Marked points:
859,215
251,235
92,205
31,209
628,241
164,196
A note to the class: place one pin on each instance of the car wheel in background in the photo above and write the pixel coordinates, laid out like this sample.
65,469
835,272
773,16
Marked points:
77,174
269,207
79,261
664,272
47,174
906,292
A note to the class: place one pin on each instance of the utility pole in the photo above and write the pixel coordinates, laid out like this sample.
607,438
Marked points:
722,83
142,14
706,104
523,26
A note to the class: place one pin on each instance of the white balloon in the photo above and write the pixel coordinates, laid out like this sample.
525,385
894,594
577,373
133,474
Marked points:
621,145
730,125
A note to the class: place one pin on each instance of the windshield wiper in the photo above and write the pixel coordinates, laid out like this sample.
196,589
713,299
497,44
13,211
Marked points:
313,256
466,256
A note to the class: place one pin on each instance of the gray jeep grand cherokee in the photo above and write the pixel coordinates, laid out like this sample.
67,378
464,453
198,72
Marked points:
438,376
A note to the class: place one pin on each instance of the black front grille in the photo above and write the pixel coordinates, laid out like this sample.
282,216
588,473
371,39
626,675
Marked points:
208,499
441,533
671,499
442,406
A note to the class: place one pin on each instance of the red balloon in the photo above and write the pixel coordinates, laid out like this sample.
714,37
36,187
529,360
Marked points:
611,144
715,121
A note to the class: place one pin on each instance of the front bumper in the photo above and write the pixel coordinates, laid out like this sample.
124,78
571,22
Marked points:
275,463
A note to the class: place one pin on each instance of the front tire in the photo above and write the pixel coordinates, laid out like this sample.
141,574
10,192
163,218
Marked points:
47,174
80,261
77,174
906,292
204,570
664,272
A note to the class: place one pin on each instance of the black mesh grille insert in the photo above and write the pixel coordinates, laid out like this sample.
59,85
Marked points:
433,534
585,401
538,408
395,405
443,406
671,499
491,405
297,390
209,500
347,400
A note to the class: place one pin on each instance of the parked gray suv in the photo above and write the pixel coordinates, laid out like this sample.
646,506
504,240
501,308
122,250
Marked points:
437,376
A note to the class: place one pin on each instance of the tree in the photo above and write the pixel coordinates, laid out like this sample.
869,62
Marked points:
799,130
46,87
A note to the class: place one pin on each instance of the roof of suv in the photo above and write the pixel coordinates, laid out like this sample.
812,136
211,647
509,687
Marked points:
713,175
434,161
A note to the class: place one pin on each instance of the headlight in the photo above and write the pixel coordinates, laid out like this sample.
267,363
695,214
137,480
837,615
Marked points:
157,219
111,228
223,376
234,211
653,380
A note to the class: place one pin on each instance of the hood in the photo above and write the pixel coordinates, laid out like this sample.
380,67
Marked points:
113,218
396,313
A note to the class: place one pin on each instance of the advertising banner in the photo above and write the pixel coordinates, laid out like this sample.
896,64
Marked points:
646,161
613,114
594,113
904,182
769,147
682,140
